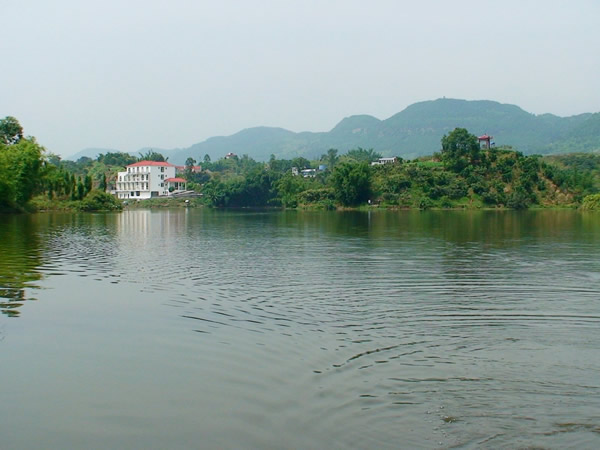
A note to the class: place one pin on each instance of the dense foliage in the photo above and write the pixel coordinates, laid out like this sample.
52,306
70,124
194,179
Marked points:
351,183
11,131
28,172
591,202
461,176
20,166
99,201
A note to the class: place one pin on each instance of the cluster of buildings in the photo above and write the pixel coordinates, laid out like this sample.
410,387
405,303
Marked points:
148,179
308,173
311,173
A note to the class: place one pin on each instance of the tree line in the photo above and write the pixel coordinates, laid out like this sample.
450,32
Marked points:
28,173
460,175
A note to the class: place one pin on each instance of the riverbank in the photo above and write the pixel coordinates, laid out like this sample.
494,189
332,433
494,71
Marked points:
96,200
44,205
164,202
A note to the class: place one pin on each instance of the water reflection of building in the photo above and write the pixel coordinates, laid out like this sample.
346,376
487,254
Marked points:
149,224
150,240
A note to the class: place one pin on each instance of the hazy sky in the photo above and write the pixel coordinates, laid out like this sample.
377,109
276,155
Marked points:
128,74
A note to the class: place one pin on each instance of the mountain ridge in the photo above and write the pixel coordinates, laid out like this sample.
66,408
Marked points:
415,131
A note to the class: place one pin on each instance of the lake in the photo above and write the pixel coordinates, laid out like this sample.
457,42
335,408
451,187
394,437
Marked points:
198,328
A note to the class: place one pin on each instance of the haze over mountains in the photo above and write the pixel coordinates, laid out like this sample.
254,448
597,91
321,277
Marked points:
413,132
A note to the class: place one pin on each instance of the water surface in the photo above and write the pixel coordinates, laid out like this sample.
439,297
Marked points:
239,329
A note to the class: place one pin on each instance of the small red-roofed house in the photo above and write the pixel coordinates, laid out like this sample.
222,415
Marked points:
485,141
178,184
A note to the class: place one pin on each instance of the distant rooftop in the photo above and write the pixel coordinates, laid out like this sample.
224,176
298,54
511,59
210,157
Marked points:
151,163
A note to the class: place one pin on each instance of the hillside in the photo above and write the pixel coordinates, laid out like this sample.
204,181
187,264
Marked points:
413,132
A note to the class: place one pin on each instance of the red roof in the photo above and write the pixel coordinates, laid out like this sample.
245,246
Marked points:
151,163
485,137
176,180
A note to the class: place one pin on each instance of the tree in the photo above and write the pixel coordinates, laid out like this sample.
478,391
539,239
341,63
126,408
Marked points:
102,185
459,149
207,158
20,166
66,182
151,155
116,159
84,161
519,198
280,165
53,159
80,189
360,154
73,188
189,168
352,183
100,201
331,157
256,188
87,184
288,187
301,163
11,131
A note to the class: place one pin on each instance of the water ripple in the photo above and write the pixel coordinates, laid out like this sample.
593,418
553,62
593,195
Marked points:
366,337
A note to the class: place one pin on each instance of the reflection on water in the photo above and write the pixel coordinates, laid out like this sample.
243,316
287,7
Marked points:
304,329
21,256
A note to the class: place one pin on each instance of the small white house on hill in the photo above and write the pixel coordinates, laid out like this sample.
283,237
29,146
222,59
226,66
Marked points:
147,179
383,161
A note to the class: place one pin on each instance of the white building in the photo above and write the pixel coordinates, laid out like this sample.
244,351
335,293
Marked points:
383,161
309,173
146,179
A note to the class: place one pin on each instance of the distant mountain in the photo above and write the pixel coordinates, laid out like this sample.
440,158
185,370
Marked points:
258,142
91,152
415,131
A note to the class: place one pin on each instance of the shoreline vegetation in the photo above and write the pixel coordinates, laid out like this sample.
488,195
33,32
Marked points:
462,175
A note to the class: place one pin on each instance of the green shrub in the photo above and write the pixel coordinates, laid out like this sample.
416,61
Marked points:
591,202
425,203
445,202
518,199
99,201
316,195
